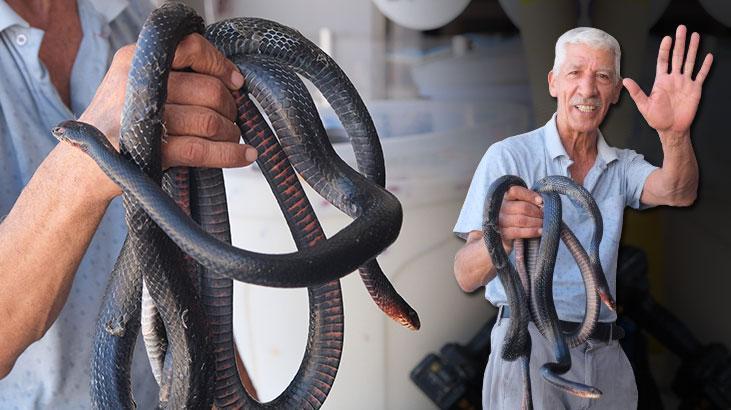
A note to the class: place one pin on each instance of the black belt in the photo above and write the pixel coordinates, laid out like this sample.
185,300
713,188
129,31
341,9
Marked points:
602,331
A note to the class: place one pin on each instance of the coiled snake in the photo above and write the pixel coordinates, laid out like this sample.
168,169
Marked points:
529,285
190,345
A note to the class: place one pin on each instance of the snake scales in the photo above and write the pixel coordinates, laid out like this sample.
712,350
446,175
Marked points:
190,343
529,285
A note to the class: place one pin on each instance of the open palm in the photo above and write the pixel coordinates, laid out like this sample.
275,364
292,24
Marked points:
673,101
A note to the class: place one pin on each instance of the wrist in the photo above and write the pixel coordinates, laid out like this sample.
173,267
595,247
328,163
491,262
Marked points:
108,126
674,138
82,175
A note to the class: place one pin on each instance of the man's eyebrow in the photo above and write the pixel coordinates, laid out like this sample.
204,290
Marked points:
607,70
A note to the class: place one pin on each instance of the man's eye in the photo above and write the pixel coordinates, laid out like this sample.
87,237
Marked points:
604,76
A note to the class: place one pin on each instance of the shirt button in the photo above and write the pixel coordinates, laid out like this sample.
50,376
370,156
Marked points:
21,39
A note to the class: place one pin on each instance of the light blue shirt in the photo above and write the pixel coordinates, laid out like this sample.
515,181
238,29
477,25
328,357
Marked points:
54,372
615,181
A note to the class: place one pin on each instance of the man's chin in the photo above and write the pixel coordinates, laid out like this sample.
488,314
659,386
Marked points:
585,124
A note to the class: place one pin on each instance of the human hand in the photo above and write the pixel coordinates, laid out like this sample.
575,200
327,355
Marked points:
521,215
199,111
675,95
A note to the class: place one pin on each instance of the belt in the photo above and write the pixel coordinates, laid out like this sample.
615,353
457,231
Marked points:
602,331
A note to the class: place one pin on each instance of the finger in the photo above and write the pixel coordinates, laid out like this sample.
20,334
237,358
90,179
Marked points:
638,96
509,234
705,68
198,152
519,221
521,208
201,90
679,50
196,53
692,52
200,122
518,193
663,56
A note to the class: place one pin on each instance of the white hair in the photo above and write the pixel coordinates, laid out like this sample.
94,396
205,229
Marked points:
589,36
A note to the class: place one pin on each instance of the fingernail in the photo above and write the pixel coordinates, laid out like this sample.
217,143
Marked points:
237,80
251,155
540,231
539,200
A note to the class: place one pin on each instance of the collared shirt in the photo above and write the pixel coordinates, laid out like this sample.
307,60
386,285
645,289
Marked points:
615,181
54,372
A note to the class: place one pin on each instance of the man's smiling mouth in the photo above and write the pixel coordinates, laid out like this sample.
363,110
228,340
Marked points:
586,108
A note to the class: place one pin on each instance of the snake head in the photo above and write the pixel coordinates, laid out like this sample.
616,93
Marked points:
64,134
608,300
59,133
411,320
80,135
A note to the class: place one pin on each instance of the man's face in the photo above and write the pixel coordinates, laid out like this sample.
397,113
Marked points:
585,87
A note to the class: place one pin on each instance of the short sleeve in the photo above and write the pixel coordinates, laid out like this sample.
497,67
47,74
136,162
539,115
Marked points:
637,169
495,163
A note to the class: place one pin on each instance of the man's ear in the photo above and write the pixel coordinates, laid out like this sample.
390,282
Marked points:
551,84
617,91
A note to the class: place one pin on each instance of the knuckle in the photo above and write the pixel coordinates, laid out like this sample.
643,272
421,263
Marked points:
523,207
211,125
231,157
508,221
216,62
125,53
513,191
193,152
220,92
192,44
508,234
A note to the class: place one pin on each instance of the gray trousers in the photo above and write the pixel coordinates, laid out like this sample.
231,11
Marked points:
600,364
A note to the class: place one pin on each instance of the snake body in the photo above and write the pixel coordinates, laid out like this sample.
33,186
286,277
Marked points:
194,360
529,286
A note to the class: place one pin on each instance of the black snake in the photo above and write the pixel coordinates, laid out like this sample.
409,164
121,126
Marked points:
194,360
529,285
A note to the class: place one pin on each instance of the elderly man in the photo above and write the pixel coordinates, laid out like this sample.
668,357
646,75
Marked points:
585,80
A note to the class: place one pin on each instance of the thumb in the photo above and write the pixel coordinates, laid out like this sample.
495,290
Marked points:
638,96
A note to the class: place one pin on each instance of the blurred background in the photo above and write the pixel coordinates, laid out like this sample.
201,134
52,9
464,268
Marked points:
443,82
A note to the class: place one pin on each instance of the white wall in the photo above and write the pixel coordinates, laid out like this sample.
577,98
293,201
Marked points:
358,33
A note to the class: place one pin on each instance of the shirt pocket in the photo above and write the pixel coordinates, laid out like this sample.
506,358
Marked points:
612,210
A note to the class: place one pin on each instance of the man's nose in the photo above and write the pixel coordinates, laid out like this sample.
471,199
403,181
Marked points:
587,86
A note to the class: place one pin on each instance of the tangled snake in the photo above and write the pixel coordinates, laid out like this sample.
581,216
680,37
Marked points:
529,284
190,343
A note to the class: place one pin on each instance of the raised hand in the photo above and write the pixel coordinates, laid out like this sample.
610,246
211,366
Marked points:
672,104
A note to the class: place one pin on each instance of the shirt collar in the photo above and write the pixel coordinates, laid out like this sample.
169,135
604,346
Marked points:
110,9
9,18
553,140
555,148
606,153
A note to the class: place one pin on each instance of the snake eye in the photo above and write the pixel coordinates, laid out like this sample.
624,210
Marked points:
58,132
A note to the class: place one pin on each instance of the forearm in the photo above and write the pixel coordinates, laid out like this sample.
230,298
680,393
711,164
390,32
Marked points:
472,264
677,180
42,241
